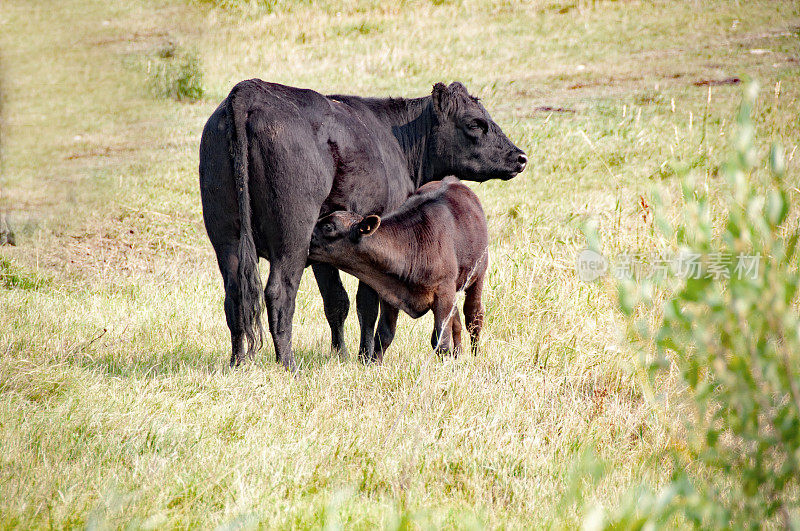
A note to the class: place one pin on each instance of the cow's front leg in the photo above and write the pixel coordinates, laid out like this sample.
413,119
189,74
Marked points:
386,328
336,304
367,301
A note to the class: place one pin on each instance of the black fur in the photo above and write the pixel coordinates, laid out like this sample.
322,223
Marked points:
247,273
274,159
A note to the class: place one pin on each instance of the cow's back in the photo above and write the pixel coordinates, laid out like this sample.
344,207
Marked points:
306,151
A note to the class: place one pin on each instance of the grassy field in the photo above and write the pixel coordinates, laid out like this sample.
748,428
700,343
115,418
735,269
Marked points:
116,404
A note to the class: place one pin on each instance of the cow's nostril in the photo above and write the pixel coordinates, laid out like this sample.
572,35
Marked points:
522,159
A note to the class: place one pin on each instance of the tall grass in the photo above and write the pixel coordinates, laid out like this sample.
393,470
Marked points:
116,406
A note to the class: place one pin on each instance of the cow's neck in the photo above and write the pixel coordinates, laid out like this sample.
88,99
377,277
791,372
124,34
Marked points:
411,122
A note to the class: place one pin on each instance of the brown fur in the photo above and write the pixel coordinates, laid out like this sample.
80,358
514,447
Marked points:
417,258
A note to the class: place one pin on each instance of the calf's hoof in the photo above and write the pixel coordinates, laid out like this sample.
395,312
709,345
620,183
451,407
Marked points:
450,352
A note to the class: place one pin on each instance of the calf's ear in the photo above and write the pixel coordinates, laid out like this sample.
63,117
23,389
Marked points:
369,225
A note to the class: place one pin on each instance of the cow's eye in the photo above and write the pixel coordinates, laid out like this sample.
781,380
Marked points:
478,125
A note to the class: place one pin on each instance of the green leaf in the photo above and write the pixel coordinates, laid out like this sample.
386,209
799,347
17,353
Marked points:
777,162
593,239
777,207
730,340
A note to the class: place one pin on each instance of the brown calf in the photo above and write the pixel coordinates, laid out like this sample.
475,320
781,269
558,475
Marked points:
416,258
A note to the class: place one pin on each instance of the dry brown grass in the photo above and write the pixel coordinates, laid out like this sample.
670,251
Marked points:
115,403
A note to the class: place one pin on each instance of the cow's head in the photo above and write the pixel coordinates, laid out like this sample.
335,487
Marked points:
337,238
467,142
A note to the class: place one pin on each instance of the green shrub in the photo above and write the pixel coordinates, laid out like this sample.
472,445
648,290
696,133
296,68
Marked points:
15,277
176,73
733,337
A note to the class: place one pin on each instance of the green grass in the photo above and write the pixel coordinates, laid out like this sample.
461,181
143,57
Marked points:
116,406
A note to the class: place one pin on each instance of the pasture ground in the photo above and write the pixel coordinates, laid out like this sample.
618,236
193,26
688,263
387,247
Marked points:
116,404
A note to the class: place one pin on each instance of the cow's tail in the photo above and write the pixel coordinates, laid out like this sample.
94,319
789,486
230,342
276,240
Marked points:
249,279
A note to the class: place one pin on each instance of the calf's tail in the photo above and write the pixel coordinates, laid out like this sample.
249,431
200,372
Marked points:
249,279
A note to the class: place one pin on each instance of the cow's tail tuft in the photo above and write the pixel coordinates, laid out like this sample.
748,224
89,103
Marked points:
249,279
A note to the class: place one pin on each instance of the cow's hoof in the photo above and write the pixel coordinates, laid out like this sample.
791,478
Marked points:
290,364
340,352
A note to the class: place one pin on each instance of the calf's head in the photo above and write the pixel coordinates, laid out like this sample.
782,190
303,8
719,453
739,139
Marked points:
467,142
338,236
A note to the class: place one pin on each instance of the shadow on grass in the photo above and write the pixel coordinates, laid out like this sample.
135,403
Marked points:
141,364
189,358
309,357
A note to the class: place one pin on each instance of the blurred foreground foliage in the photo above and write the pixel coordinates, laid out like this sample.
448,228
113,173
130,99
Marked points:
730,333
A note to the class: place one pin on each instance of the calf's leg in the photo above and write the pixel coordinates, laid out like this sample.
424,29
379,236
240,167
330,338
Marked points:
444,307
336,304
473,313
456,331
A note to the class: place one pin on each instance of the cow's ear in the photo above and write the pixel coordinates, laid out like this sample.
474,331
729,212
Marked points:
369,225
442,102
456,87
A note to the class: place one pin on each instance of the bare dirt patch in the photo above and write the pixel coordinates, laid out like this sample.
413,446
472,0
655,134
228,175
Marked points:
547,108
717,82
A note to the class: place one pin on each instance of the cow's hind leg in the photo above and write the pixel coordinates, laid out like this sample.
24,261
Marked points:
336,304
367,302
289,180
285,273
288,255
228,261
473,313
386,327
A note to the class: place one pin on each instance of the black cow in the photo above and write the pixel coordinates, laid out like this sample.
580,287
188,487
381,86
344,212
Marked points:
274,159
417,258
